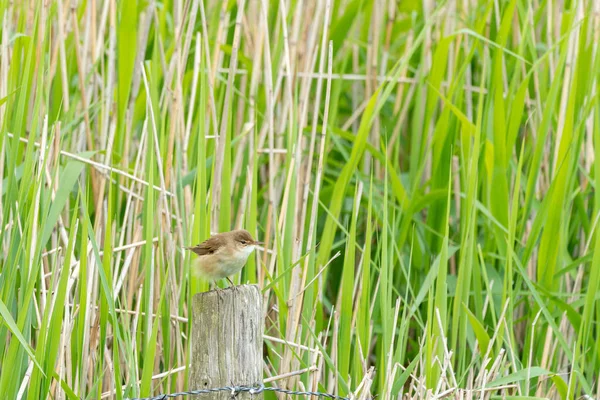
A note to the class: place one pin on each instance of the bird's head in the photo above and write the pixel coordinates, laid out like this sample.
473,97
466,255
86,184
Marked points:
243,241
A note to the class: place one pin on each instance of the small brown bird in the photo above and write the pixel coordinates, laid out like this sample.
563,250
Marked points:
223,255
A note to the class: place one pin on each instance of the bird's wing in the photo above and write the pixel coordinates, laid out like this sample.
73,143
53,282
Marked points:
209,246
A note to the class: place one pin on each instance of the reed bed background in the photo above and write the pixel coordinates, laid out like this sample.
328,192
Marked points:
423,175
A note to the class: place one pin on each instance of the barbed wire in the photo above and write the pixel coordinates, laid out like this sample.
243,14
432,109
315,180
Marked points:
235,390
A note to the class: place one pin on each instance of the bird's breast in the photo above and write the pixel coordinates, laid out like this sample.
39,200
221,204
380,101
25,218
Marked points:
222,263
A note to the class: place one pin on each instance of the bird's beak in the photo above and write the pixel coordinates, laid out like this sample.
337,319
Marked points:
259,243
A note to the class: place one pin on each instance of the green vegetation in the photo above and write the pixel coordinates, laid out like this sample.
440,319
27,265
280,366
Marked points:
423,175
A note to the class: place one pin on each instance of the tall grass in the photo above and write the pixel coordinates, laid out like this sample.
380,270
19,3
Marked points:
423,175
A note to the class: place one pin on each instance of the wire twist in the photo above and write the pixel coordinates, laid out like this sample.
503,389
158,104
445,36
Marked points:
235,390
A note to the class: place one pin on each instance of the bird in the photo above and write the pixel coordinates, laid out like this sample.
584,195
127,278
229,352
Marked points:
223,254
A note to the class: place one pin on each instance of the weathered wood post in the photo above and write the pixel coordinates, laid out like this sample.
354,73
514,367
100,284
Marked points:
227,341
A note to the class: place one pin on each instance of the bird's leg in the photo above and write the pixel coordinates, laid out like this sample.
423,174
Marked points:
215,286
230,281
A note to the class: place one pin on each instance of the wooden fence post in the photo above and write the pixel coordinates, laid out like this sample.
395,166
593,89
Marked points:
227,341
